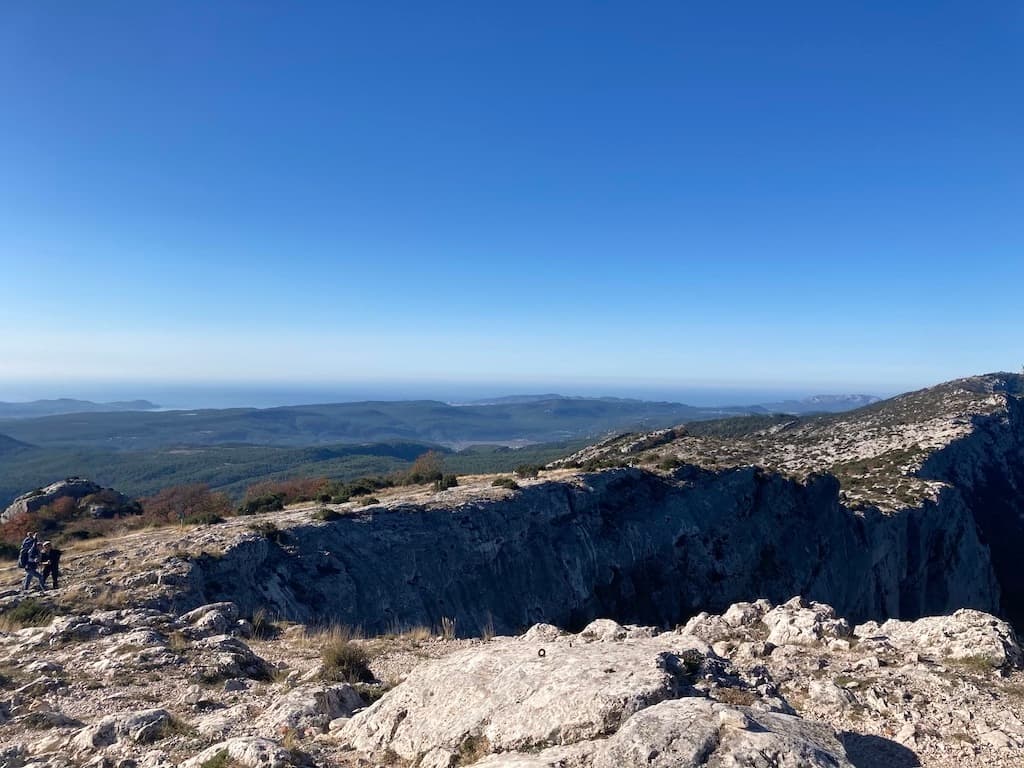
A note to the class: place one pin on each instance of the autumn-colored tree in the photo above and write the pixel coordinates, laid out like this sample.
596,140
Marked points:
180,503
64,508
428,468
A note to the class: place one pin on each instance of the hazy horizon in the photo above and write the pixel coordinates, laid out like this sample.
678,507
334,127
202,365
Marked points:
256,394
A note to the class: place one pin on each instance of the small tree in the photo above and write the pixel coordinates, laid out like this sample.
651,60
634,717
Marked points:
185,503
428,468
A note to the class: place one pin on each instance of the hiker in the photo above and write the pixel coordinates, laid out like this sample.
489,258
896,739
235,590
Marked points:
27,545
49,556
30,561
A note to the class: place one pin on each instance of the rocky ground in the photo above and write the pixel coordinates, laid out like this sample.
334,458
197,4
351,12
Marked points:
760,685
876,451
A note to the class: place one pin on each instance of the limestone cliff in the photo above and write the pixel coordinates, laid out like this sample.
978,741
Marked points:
943,471
625,543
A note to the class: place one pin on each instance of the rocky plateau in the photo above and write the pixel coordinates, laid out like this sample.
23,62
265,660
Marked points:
632,606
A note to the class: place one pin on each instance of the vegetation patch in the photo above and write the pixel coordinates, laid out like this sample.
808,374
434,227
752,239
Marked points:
445,482
220,760
528,470
270,532
345,661
473,748
28,613
327,514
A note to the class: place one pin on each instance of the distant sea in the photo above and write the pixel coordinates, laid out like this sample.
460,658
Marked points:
175,396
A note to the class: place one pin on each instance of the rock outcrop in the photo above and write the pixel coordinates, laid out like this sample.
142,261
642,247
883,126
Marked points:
793,684
88,497
626,543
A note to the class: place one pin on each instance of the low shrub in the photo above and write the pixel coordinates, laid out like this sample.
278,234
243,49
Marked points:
445,482
270,502
345,661
529,470
506,482
203,518
270,532
327,514
27,613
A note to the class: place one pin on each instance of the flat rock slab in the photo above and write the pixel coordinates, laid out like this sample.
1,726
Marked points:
518,695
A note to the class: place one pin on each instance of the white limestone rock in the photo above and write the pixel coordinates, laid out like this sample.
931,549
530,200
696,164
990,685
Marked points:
247,752
310,707
798,622
507,697
965,635
141,727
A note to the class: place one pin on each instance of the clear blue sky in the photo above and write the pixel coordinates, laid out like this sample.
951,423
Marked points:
762,194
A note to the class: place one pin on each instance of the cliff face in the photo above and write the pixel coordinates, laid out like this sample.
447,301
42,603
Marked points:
623,543
907,508
987,469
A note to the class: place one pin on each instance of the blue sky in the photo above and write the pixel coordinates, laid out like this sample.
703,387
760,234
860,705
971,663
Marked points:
609,194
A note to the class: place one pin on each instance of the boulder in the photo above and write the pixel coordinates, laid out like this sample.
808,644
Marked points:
797,622
226,657
141,727
246,752
211,619
966,635
697,732
506,696
310,707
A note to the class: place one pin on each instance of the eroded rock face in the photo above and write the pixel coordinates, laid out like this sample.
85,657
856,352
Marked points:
628,544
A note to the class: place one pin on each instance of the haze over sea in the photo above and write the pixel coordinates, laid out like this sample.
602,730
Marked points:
268,395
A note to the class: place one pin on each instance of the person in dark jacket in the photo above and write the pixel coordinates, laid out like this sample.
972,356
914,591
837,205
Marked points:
49,556
31,564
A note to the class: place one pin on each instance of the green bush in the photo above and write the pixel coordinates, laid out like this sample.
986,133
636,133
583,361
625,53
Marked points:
270,532
445,482
505,482
203,518
327,514
528,470
27,613
363,486
346,662
269,502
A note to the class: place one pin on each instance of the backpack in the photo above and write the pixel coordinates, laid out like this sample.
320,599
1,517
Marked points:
23,556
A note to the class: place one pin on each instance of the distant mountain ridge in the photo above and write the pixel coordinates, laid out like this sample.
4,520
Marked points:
806,405
820,404
66,405
514,420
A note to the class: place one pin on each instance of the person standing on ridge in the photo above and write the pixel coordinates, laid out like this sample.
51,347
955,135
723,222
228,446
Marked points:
49,556
29,560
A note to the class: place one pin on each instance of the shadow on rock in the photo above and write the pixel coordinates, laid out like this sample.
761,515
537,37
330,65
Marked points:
866,751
